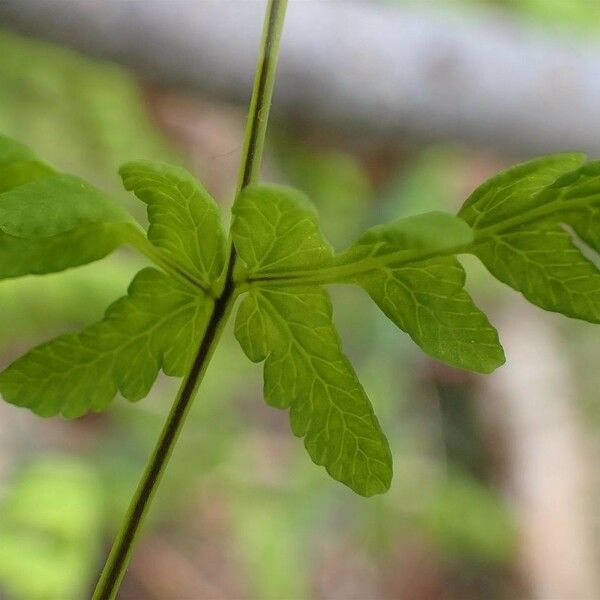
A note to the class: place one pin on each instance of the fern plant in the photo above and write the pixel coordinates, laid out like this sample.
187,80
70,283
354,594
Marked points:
526,225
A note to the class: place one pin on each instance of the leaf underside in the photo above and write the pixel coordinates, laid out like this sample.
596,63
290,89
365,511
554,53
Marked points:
156,326
306,371
524,220
426,300
276,232
184,219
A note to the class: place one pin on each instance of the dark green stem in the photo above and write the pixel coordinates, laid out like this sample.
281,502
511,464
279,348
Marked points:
120,554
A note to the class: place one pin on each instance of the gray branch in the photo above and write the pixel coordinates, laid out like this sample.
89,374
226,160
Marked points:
361,67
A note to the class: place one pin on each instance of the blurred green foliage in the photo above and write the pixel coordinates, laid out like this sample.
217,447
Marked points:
334,180
467,520
50,528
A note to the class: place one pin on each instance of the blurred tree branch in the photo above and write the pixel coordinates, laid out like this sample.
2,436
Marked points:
388,71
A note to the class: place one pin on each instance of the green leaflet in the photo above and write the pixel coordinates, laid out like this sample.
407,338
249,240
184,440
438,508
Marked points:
290,329
515,189
184,219
158,325
519,217
575,197
56,222
49,206
51,221
425,298
276,231
22,256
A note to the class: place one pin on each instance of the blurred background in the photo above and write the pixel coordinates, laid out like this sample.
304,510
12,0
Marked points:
382,109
